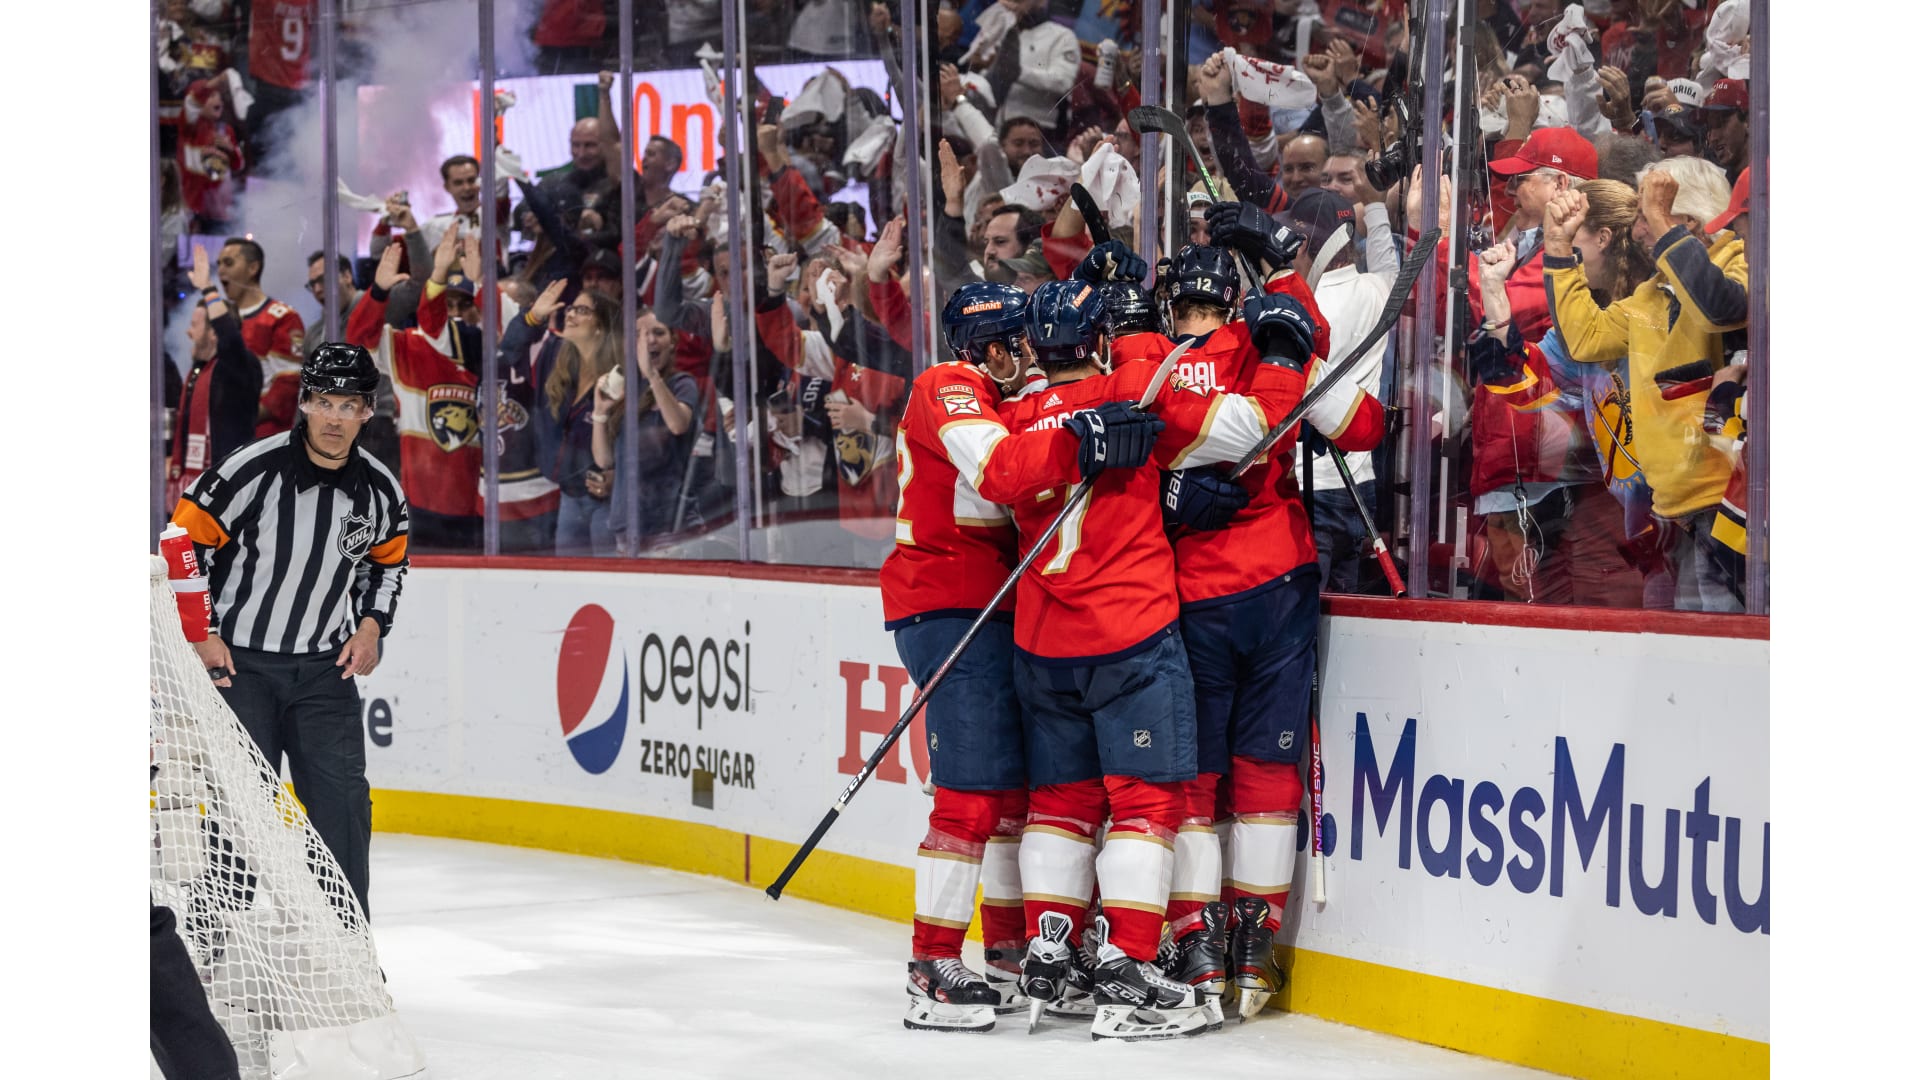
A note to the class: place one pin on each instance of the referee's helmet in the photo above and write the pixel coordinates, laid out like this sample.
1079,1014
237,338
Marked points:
339,368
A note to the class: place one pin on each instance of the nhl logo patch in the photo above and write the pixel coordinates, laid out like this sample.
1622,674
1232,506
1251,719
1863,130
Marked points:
356,535
1286,740
1142,738
933,742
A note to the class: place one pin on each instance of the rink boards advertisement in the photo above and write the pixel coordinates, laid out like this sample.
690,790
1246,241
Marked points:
1569,827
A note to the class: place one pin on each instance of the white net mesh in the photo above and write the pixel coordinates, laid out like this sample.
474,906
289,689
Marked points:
279,940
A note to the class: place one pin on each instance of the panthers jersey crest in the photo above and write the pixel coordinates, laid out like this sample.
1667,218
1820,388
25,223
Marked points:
451,418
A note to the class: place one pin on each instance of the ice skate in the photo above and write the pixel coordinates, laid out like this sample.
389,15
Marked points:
1053,978
1255,973
1134,1001
945,995
1003,974
1200,960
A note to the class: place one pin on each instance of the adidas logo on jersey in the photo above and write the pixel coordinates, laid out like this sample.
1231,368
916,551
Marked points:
1053,401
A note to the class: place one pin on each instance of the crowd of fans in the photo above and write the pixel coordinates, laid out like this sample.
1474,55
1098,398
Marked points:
1594,422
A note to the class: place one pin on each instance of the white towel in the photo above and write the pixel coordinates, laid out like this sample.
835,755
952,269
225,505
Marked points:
1109,177
1273,84
1043,183
1569,44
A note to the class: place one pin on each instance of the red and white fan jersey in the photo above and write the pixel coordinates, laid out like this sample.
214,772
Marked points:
277,335
1105,588
280,42
953,537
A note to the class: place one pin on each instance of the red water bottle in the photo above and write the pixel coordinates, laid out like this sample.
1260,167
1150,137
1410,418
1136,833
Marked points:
189,588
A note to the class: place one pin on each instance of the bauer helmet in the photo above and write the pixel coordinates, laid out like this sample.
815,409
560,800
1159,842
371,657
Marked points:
1204,272
1065,323
1130,308
980,313
336,367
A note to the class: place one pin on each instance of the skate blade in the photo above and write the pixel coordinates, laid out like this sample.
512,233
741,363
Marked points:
1130,1023
1034,1008
1216,1015
924,1014
1252,1000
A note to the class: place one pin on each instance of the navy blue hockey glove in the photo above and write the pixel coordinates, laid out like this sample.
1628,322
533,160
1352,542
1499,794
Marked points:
1254,232
1281,328
1111,261
1113,436
1200,499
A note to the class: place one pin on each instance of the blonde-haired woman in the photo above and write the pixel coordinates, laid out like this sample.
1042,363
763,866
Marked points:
563,425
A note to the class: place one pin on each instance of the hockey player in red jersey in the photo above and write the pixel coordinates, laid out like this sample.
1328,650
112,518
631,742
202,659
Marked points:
1101,670
1249,613
439,419
954,545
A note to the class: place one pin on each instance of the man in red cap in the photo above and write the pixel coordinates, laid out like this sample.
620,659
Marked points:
1551,161
1725,119
1735,217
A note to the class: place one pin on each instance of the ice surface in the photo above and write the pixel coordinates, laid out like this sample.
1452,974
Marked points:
530,965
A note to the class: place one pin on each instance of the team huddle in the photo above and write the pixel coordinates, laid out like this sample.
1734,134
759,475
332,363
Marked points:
1115,759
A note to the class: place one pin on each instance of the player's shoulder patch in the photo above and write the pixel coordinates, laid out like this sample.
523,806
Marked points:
278,310
959,399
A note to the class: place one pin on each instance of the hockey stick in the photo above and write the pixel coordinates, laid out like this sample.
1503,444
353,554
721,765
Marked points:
1096,218
1155,118
1397,299
920,697
1316,782
1397,587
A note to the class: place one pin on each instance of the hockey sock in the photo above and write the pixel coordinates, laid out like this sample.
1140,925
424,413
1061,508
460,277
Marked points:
1196,856
1002,909
1266,802
1056,851
947,869
1136,866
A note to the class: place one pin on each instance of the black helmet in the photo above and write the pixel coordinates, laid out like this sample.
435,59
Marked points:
1204,272
1130,308
339,368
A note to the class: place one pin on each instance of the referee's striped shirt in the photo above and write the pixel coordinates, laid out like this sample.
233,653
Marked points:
298,555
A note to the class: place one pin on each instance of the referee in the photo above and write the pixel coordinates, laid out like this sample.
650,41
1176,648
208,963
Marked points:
304,535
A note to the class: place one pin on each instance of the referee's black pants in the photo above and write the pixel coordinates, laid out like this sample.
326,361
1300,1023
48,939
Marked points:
300,706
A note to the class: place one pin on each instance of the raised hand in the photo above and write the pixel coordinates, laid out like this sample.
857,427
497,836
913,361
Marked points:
1657,191
780,270
1319,68
1346,62
1565,213
953,184
887,250
200,275
547,302
1215,80
387,274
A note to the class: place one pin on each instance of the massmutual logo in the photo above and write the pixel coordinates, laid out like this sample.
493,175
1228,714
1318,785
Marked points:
592,688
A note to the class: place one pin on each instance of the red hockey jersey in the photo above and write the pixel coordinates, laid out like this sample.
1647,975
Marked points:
1105,590
280,41
436,397
276,334
953,538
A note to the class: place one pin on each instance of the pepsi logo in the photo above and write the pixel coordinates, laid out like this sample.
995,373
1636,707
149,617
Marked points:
592,689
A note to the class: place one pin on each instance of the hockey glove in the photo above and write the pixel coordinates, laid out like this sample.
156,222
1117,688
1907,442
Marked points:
1254,232
1113,436
1200,499
1282,330
1111,261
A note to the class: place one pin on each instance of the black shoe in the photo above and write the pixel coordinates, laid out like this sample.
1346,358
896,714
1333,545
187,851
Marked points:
1255,973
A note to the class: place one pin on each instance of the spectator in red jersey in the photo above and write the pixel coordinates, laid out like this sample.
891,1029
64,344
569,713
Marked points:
436,399
222,390
274,332
209,155
280,40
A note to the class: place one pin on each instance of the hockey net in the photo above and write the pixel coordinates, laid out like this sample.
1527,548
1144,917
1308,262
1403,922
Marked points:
280,942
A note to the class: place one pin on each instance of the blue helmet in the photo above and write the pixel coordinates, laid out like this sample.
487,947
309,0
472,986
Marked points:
1130,308
1204,272
1065,321
980,313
